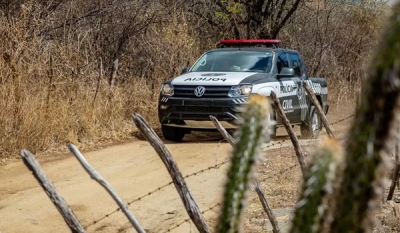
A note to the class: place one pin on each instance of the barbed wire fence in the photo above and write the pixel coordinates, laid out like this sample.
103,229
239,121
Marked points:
162,187
213,167
216,166
281,172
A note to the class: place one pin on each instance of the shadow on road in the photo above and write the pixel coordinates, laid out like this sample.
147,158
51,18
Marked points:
209,137
196,138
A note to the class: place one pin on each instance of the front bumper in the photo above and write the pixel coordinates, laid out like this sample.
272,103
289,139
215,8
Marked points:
195,112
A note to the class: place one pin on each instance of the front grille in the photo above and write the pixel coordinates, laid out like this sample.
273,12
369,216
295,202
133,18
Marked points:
201,109
211,91
195,116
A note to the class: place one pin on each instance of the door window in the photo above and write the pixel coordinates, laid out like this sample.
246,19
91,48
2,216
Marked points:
295,61
282,61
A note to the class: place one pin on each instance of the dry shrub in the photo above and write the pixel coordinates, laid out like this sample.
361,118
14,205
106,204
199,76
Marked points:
336,40
39,113
166,49
53,89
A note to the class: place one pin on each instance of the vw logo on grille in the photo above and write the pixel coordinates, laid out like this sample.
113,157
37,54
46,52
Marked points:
199,91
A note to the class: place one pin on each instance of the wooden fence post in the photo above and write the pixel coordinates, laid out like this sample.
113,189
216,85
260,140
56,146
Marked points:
288,127
191,207
267,209
318,107
223,132
61,205
99,178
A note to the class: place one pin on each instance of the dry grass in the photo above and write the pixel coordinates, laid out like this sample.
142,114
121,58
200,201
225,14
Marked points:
52,91
44,105
38,118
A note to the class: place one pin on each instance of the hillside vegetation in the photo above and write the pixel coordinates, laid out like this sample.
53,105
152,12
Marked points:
75,71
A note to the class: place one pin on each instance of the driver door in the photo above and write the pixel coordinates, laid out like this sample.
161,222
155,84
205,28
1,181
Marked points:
287,90
299,99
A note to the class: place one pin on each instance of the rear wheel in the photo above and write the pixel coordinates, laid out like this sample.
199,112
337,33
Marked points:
173,133
311,127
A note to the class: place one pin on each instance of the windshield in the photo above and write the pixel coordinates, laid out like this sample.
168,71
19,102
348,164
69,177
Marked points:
234,61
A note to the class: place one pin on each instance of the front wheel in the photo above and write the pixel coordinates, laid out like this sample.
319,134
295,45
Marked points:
172,133
311,127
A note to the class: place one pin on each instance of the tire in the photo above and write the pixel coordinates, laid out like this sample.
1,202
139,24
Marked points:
311,127
172,133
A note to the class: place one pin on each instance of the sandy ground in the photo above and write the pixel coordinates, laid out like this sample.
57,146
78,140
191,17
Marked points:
134,169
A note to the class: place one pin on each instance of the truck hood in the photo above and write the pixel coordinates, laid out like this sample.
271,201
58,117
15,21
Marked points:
217,78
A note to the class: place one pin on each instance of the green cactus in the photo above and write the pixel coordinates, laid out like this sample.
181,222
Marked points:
359,182
250,136
313,205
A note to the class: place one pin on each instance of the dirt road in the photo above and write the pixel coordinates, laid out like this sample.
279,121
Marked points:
133,169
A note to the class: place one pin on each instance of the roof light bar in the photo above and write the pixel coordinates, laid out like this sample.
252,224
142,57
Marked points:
259,41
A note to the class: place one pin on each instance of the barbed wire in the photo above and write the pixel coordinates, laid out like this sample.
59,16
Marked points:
129,203
262,180
216,166
341,120
274,144
279,173
188,219
219,203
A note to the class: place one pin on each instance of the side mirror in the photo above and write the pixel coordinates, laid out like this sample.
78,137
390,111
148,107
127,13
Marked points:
286,72
185,70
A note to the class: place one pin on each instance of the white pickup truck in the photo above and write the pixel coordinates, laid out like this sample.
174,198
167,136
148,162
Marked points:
223,79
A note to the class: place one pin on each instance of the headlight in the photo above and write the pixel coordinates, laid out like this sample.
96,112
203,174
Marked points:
167,89
243,90
246,89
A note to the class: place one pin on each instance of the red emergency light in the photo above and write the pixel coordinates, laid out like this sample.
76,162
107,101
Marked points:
249,43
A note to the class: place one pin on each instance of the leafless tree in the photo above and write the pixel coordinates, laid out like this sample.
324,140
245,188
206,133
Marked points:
246,18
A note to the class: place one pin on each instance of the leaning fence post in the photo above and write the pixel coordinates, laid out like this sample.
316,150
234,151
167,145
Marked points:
169,162
222,131
267,209
99,178
288,127
61,205
319,109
